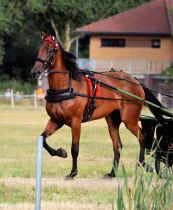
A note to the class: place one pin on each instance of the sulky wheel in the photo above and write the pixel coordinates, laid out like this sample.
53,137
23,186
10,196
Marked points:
164,170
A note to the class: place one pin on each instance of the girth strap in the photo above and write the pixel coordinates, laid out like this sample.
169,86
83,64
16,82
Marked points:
59,95
93,87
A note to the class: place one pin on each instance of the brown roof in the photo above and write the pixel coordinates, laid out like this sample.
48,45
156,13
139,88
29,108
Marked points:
155,17
169,6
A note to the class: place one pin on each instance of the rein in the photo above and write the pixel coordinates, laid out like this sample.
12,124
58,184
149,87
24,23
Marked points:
71,89
48,71
110,87
117,78
142,84
44,62
70,94
58,71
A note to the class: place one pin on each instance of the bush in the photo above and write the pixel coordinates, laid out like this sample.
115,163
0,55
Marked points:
23,87
169,71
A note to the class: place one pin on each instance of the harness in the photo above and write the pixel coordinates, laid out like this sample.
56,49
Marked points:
55,96
94,91
59,95
93,84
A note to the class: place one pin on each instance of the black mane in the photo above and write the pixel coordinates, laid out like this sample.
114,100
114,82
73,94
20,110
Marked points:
70,62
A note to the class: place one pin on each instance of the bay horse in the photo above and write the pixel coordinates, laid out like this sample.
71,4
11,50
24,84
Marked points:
68,101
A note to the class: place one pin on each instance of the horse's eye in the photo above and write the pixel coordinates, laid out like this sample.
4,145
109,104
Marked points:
50,50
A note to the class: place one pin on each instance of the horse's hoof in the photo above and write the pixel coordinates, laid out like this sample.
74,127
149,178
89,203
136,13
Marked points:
147,167
61,153
68,177
71,175
109,176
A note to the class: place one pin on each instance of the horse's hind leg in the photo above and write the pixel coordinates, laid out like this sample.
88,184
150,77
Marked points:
130,117
133,126
113,121
49,130
135,129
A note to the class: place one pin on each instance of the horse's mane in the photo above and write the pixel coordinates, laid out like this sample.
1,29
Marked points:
71,64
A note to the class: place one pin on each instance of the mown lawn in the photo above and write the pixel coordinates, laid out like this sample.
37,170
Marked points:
20,128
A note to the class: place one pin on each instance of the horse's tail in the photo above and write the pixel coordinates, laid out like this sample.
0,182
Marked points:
158,113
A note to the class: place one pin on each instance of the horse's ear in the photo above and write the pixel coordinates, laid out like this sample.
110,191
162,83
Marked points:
43,35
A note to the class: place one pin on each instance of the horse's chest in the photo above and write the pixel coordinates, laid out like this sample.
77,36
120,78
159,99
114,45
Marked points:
59,112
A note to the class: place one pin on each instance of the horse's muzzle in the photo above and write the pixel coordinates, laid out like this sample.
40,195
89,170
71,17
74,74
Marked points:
35,74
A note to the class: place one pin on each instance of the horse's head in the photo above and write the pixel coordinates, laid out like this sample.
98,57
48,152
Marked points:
46,55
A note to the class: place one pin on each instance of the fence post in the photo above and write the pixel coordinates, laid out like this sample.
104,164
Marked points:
130,66
12,98
38,173
35,100
159,96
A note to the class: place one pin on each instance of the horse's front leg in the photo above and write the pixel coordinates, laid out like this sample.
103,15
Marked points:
49,130
75,130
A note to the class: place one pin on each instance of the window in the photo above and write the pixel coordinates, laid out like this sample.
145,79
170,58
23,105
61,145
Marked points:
112,42
155,43
138,42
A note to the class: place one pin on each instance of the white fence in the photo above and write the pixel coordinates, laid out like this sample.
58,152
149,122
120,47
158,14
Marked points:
15,99
129,66
32,100
166,101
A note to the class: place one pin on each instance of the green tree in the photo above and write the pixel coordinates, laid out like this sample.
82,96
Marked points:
65,16
19,38
22,20
9,17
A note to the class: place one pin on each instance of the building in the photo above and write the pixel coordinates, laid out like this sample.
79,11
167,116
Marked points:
138,40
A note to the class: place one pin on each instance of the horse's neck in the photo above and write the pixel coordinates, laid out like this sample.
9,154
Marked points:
59,80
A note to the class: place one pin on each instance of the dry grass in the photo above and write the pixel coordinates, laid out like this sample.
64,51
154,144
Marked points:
57,205
87,183
96,185
20,128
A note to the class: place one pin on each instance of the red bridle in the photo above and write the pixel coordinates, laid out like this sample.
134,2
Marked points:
48,63
52,40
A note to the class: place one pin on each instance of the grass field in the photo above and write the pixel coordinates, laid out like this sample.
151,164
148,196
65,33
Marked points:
20,128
